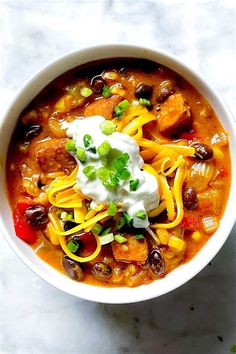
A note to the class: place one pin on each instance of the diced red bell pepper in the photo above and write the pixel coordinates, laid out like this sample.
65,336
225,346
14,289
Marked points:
23,206
190,222
222,172
23,230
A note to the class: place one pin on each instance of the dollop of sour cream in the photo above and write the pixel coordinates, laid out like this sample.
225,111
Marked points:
145,198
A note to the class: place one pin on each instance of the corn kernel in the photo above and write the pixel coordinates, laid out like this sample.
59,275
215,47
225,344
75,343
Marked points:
115,90
196,236
176,243
163,236
218,153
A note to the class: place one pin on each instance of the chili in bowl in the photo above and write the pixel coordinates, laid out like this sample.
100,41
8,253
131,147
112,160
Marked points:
119,173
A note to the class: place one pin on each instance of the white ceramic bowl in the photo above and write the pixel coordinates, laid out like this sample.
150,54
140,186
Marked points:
101,294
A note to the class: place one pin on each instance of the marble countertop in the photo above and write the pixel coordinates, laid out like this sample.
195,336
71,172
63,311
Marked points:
199,317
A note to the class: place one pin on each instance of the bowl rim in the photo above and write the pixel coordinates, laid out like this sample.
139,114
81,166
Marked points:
130,295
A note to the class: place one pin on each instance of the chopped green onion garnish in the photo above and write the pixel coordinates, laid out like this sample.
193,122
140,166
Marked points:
72,246
109,185
128,219
120,223
121,107
120,238
104,149
104,240
92,149
87,139
90,171
133,185
118,112
108,127
81,154
106,92
65,216
105,231
124,105
123,174
138,237
145,102
121,161
86,92
70,146
114,180
103,173
97,229
141,214
112,209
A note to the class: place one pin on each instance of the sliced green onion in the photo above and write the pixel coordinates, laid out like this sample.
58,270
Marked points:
109,185
128,219
87,139
103,173
90,171
120,238
108,127
81,154
104,149
92,149
63,215
72,246
105,231
145,102
141,214
106,92
112,209
124,105
120,223
121,161
114,180
133,185
97,229
86,92
118,112
123,174
121,107
70,146
139,236
104,240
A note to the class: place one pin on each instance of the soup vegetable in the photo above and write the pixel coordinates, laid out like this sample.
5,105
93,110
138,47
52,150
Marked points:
118,172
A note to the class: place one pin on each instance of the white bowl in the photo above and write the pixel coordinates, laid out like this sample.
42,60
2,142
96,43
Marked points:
101,294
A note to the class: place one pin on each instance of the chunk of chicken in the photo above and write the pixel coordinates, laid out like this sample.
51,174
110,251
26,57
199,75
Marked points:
131,251
102,107
52,156
174,114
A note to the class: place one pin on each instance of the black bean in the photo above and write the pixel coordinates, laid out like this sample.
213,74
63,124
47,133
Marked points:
31,131
36,215
69,225
190,198
143,91
156,262
101,271
97,84
166,89
72,268
202,151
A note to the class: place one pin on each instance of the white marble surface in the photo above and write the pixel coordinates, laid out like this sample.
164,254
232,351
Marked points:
36,318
